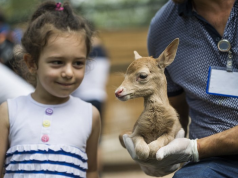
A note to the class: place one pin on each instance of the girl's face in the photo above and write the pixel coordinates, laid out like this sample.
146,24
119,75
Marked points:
61,67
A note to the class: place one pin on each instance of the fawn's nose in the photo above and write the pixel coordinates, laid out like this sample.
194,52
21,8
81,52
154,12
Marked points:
118,92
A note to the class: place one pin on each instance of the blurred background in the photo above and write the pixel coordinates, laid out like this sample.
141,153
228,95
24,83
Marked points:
122,27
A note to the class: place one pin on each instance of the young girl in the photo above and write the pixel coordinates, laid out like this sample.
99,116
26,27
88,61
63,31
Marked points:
50,133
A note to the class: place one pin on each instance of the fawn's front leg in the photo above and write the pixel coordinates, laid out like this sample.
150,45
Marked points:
158,143
141,148
121,138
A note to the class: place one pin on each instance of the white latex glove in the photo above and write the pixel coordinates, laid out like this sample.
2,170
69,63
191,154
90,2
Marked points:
179,150
153,167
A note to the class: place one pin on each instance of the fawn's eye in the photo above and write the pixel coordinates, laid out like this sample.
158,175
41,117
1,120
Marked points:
143,76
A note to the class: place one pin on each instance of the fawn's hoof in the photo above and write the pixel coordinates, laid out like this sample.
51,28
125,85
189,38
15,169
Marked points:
154,147
142,152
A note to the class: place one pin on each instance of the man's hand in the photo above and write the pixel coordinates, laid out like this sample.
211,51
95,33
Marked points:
153,167
178,151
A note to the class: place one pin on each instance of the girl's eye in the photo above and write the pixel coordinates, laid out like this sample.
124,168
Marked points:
143,76
79,63
57,62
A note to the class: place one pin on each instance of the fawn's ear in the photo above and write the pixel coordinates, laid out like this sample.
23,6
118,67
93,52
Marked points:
168,55
137,56
30,63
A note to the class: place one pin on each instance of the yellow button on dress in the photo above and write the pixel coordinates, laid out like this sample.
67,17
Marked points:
46,123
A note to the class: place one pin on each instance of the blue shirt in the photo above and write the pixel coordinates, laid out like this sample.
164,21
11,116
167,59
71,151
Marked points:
188,73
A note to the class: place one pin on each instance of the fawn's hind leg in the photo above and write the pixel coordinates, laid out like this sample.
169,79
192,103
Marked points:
141,148
158,143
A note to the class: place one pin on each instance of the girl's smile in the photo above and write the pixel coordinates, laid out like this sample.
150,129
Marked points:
66,85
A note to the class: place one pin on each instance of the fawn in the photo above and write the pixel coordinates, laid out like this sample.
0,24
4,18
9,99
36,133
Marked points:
159,123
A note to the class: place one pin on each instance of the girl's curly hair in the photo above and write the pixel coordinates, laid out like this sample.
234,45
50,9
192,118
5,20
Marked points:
45,21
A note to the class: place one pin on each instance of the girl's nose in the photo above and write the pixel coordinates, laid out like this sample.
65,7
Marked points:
67,72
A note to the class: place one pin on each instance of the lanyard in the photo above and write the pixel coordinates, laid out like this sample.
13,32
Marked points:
225,46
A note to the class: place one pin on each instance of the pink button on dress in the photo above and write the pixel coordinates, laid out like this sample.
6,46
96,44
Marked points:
45,138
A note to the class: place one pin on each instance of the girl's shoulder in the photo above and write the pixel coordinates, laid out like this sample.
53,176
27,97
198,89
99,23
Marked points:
79,101
80,104
15,103
4,119
96,119
86,107
18,99
3,107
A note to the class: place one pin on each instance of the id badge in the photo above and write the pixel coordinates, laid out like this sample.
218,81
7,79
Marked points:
223,83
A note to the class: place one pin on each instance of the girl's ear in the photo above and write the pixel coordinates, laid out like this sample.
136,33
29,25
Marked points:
31,65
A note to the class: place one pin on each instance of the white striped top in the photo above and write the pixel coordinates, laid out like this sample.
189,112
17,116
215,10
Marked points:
48,140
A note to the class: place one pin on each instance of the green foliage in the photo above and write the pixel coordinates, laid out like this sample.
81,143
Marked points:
17,11
102,13
119,13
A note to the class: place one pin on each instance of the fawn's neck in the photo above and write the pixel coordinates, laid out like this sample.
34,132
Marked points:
158,99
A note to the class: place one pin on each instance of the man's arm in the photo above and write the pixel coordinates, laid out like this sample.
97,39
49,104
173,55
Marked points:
223,143
180,105
183,149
